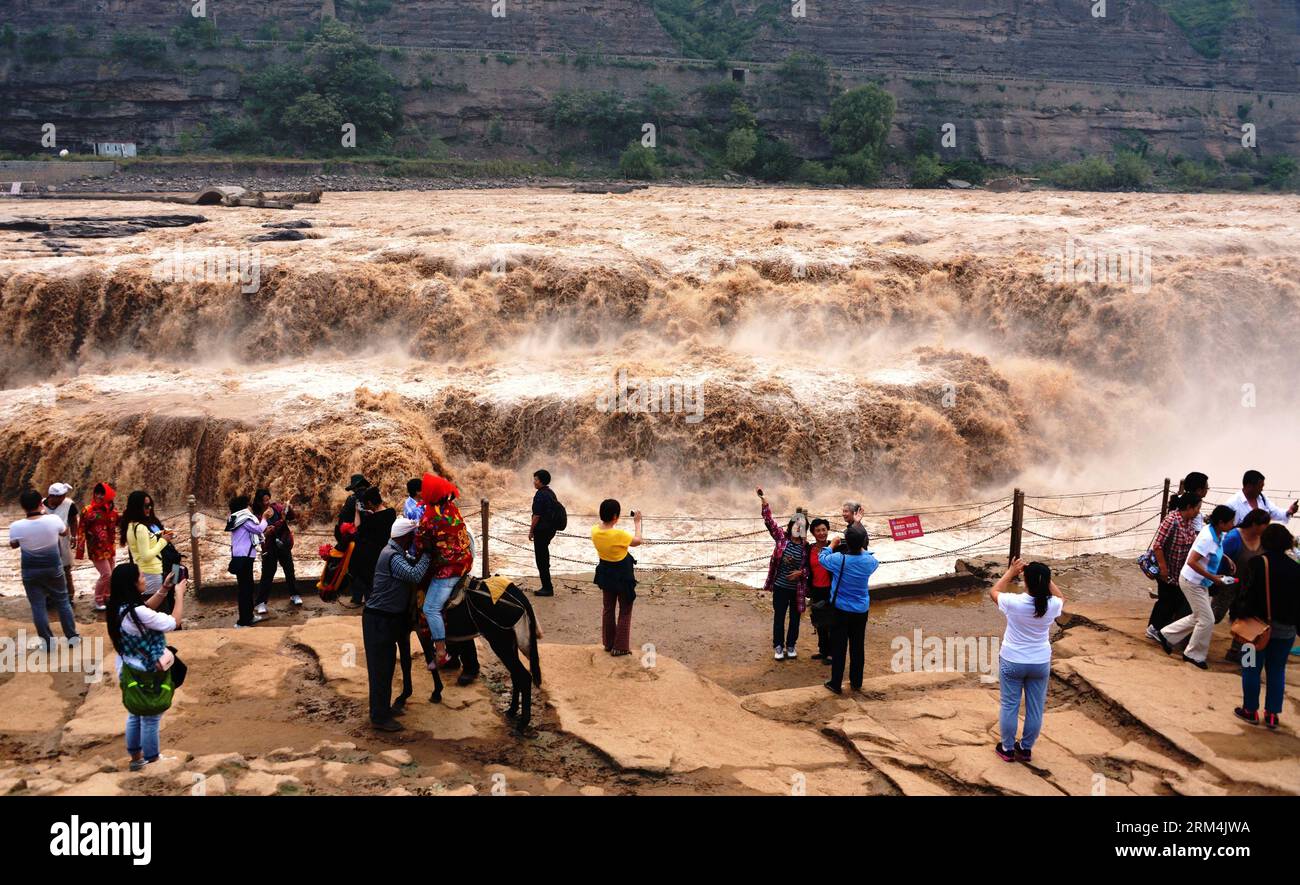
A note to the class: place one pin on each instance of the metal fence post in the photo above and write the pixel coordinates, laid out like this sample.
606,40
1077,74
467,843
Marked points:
196,567
1164,502
1017,523
484,507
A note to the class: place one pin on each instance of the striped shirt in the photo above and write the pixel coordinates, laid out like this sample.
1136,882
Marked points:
1175,536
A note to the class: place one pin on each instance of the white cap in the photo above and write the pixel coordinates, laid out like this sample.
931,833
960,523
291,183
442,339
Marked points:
59,488
402,527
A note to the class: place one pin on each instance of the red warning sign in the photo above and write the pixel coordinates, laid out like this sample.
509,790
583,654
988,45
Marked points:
905,528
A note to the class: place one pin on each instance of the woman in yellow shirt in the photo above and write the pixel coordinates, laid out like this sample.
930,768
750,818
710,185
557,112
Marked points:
143,534
614,575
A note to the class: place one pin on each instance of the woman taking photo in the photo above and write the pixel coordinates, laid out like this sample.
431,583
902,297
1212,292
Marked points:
1025,659
850,567
1272,595
616,575
97,540
787,578
138,631
145,538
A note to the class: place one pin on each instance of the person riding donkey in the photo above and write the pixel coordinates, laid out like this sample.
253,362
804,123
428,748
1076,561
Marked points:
442,532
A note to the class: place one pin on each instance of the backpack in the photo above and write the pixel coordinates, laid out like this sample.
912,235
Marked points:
559,517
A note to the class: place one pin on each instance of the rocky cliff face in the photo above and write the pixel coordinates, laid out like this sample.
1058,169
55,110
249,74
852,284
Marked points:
1137,41
1023,80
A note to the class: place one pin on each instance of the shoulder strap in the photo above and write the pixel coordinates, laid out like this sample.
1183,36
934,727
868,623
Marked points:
838,576
1268,592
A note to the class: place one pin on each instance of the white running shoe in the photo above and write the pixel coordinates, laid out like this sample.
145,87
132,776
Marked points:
791,653
261,608
780,653
295,599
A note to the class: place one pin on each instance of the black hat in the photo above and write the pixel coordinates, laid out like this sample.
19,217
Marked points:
358,483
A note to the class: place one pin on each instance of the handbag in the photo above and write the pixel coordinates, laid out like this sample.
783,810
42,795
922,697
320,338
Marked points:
178,668
1148,563
1253,631
146,694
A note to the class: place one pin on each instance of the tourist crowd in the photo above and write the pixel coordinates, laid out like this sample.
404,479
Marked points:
1237,561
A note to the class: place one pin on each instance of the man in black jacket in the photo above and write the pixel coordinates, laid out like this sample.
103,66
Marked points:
349,512
376,521
542,530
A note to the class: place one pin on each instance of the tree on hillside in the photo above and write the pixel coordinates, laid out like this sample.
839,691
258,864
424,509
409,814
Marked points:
338,80
857,126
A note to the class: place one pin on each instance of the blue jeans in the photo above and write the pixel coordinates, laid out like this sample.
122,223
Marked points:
1273,659
1031,679
142,735
434,599
43,587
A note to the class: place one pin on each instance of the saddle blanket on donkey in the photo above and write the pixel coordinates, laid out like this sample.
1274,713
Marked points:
473,604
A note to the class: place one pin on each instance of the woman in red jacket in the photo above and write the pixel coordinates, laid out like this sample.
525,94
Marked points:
96,539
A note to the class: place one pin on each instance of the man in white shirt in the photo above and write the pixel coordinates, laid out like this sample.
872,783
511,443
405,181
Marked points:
58,503
38,535
1251,497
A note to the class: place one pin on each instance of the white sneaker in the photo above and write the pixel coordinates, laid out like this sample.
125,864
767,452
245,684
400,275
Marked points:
780,653
261,608
791,653
1151,633
295,599
257,619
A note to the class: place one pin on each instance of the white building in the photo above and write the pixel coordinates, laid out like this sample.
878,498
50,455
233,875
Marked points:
114,148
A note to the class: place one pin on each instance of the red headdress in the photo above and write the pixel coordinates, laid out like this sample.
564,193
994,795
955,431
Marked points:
434,488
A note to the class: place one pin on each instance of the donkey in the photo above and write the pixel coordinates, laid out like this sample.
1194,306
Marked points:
510,627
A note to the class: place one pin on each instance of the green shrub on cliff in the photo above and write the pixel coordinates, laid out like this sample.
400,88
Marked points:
313,121
803,75
139,47
41,45
196,32
927,171
742,145
640,162
1088,174
1131,171
302,105
715,28
857,126
1193,175
605,118
1204,22
1281,172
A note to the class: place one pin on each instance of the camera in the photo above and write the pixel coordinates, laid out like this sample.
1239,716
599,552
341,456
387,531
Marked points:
632,513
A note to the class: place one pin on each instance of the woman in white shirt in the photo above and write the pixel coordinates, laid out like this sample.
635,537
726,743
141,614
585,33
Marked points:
137,629
1025,659
1199,575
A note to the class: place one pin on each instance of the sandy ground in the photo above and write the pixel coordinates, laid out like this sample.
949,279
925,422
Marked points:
280,709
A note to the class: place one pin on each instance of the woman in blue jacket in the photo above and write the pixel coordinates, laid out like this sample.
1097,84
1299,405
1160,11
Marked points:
851,567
